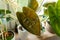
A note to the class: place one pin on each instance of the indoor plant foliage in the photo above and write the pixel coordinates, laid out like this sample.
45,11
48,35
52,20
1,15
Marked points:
46,6
4,18
54,14
46,13
30,20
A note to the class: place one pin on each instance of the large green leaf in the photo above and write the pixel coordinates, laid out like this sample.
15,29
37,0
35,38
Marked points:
29,20
54,20
58,8
58,4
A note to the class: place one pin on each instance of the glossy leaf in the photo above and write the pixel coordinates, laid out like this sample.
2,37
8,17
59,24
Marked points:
29,20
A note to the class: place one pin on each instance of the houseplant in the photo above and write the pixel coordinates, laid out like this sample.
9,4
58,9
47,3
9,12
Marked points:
4,19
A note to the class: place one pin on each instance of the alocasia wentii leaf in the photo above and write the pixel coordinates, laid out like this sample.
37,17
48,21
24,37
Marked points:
29,20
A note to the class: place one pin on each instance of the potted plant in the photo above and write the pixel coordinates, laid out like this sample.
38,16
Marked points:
4,18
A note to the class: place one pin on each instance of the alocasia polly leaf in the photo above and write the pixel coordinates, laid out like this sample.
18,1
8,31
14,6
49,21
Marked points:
29,20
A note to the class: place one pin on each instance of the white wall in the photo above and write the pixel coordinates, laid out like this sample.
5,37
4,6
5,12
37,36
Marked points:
2,5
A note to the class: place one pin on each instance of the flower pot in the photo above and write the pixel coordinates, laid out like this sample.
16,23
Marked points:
8,35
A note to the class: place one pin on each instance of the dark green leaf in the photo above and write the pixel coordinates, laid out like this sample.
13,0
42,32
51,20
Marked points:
54,20
2,12
8,19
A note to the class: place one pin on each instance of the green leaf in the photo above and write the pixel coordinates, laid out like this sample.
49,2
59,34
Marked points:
46,5
2,12
54,20
58,4
0,22
46,12
29,20
33,4
8,19
58,7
